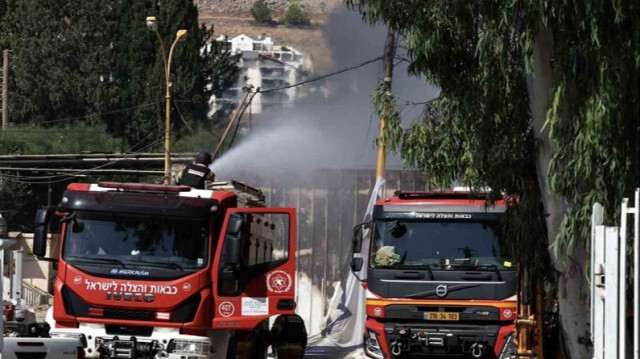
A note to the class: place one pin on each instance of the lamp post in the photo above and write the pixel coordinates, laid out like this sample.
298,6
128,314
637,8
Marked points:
181,34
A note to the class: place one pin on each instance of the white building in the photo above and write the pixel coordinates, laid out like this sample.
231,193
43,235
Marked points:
265,66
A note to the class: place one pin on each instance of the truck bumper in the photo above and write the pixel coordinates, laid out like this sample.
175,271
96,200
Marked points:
165,342
386,340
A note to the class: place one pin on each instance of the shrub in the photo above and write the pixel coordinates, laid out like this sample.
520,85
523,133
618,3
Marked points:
296,16
261,12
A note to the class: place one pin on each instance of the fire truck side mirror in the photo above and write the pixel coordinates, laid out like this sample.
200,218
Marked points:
356,264
236,222
40,232
232,253
358,237
233,241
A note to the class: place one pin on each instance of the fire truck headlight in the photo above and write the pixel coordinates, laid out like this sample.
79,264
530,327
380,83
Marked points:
372,345
189,347
79,336
509,350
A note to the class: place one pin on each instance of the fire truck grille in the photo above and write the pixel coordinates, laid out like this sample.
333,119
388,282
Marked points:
143,315
184,313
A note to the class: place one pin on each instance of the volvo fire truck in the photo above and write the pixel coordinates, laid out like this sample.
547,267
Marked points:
162,271
438,280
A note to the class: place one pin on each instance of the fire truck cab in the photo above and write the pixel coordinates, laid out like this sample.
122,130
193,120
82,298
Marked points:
157,271
438,280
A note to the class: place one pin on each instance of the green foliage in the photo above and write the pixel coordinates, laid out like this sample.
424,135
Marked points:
199,69
480,131
296,16
59,53
384,102
21,194
261,12
18,204
595,109
66,138
201,139
79,59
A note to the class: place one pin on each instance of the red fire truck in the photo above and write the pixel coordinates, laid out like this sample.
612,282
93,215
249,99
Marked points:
438,281
159,271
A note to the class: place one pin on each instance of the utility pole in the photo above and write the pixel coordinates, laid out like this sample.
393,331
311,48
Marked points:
5,88
236,117
390,54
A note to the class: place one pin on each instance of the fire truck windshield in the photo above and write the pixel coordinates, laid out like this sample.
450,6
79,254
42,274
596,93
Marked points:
438,245
135,242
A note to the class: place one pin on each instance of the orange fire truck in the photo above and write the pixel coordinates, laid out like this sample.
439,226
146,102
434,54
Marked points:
159,271
438,280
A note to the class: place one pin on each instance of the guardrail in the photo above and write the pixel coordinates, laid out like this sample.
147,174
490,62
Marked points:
35,296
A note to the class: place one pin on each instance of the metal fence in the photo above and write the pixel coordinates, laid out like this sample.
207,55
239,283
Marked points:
35,296
611,287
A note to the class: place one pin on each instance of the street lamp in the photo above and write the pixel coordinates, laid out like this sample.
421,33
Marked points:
152,24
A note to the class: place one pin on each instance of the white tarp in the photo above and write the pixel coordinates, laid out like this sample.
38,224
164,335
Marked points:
344,333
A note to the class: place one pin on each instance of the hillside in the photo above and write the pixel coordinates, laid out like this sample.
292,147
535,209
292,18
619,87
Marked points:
243,6
232,18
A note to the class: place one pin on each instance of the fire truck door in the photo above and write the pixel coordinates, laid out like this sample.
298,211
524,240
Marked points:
254,269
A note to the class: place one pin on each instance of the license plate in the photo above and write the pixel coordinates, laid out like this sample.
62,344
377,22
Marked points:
441,316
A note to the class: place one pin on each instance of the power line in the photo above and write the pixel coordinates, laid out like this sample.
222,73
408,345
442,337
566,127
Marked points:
125,109
413,103
62,178
323,76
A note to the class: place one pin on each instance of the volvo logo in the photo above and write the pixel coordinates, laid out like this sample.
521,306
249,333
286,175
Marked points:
441,290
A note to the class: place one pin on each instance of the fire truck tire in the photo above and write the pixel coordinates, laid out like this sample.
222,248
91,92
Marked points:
288,337
261,340
231,347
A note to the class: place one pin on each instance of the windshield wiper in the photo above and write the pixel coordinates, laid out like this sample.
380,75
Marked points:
495,267
171,265
412,266
473,266
99,259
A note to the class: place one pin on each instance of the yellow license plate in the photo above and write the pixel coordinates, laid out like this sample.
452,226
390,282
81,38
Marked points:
441,316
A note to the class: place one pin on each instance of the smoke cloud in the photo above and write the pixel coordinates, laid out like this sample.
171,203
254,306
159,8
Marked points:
332,125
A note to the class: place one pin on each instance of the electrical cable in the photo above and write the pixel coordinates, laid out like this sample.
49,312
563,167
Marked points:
322,77
65,177
182,118
125,109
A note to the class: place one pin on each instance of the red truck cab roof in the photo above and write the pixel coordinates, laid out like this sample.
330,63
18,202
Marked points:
457,198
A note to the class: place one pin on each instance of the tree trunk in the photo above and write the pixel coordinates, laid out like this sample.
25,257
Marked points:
572,287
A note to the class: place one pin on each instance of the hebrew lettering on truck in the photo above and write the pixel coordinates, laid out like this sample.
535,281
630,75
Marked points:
438,279
157,271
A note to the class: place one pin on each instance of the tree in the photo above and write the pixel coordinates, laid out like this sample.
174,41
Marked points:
261,12
199,69
60,53
561,132
296,16
78,61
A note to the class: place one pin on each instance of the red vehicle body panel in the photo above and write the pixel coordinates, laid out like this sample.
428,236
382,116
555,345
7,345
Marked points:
170,294
375,304
228,309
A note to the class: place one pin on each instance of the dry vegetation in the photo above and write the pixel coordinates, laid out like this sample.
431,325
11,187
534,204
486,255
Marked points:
311,40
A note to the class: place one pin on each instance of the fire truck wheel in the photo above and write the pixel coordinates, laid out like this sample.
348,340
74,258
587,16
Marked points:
288,337
261,340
